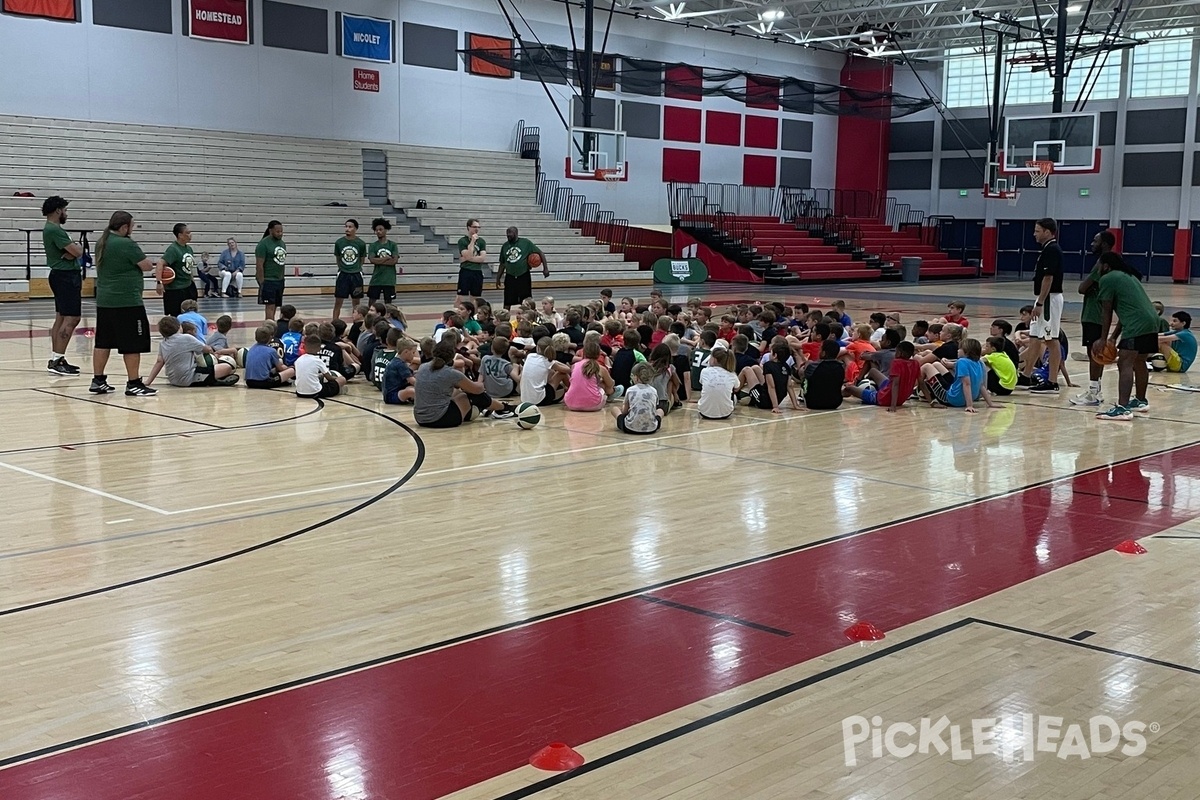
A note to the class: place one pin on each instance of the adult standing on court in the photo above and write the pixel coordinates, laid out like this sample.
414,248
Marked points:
233,264
1136,336
270,257
513,272
382,254
121,322
66,283
350,252
1103,242
472,255
180,258
1047,308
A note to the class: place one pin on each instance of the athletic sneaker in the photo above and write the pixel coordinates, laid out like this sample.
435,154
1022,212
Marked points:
100,385
1088,398
139,389
228,380
1117,413
1078,356
71,368
502,414
1024,382
618,393
1140,406
1043,387
58,366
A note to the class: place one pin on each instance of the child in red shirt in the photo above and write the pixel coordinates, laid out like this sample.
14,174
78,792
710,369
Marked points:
955,309
895,389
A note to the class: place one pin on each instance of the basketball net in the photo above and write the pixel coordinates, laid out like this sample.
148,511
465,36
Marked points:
1039,173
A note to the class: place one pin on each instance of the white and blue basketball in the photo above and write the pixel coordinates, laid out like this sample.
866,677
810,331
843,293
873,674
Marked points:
1157,362
528,415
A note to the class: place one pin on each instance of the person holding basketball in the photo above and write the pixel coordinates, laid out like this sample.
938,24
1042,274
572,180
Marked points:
349,252
121,322
182,263
66,283
517,257
270,257
1136,335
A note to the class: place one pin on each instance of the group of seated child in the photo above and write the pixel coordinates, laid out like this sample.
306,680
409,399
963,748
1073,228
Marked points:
647,360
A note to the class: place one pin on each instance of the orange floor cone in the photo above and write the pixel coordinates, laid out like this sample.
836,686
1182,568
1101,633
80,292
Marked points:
864,632
556,757
1130,547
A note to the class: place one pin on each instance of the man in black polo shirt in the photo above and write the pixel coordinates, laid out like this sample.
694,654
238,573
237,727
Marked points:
1047,308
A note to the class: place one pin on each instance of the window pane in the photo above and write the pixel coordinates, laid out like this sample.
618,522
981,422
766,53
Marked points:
1160,68
968,83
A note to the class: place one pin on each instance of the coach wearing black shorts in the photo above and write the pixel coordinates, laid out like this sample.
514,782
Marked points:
382,254
270,257
121,322
66,283
513,272
472,255
349,252
182,261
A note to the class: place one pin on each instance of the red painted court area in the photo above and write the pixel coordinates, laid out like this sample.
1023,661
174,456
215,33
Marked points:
429,724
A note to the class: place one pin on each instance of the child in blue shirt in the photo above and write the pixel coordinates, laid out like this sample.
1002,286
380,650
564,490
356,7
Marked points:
264,367
962,387
1178,346
291,341
399,382
190,314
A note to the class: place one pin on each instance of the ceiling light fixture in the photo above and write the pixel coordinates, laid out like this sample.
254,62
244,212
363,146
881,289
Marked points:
771,14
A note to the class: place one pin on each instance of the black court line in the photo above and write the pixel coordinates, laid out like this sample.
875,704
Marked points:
1079,637
126,408
121,440
783,691
758,626
1109,495
370,501
1173,536
465,637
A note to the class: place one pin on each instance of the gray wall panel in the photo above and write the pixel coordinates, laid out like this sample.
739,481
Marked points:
795,172
1152,169
797,135
973,132
642,120
910,174
427,46
961,173
644,81
293,27
604,113
139,15
912,137
1157,126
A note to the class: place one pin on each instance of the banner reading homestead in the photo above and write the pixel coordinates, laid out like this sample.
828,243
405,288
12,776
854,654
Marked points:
219,20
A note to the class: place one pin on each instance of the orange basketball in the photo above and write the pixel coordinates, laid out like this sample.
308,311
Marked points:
1106,354
534,261
168,274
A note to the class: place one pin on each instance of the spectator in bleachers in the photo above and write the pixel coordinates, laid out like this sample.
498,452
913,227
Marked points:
232,263
66,283
270,257
182,261
210,275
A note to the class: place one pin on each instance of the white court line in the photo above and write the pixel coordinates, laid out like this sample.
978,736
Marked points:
87,489
118,521
517,460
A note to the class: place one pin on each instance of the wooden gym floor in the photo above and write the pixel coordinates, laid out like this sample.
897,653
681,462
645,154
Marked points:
229,594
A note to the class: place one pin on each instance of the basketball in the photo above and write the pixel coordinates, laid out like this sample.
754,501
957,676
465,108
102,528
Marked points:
230,360
534,261
241,356
1107,354
528,416
168,274
1157,362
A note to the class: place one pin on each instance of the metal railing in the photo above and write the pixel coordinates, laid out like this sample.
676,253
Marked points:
567,205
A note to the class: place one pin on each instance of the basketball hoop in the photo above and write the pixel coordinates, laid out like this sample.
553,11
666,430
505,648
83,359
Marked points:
1039,173
1013,197
610,175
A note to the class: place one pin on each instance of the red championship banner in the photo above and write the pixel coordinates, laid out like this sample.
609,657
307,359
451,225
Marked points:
53,9
219,20
366,80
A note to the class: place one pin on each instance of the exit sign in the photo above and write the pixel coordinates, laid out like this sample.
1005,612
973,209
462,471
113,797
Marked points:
962,192
1084,192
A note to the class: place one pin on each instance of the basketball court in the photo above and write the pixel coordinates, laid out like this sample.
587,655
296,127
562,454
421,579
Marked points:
250,595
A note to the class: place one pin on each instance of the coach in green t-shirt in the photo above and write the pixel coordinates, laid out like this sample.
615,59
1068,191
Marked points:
513,272
1089,318
180,258
472,256
349,252
66,283
121,322
1121,293
270,257
382,255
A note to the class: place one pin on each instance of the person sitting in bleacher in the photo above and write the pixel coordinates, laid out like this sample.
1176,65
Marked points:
232,262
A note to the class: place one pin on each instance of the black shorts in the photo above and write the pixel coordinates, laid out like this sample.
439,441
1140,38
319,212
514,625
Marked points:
67,286
1091,333
375,292
517,288
939,385
451,418
173,299
470,283
125,330
621,426
1146,344
273,382
328,389
552,397
349,284
270,293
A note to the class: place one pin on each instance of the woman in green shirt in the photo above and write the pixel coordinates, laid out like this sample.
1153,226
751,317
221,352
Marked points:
180,258
121,322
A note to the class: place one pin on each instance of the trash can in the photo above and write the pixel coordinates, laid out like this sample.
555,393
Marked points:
910,269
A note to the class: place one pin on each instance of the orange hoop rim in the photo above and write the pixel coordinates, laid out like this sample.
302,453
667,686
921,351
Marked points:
608,174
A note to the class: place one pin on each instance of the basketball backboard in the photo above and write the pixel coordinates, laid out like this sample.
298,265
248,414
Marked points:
1070,141
596,154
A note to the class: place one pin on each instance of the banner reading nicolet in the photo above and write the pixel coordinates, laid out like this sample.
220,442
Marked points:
367,38
219,20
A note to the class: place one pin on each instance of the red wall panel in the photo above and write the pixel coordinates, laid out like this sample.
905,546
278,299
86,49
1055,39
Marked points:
758,170
862,138
681,124
681,165
762,92
685,83
762,132
723,127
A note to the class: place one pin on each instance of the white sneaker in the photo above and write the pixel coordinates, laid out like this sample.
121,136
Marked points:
1088,398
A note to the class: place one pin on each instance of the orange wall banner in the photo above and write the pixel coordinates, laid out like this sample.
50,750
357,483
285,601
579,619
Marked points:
53,9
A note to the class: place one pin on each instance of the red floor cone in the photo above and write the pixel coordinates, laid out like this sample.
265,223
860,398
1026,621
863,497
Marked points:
1130,547
864,632
556,757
